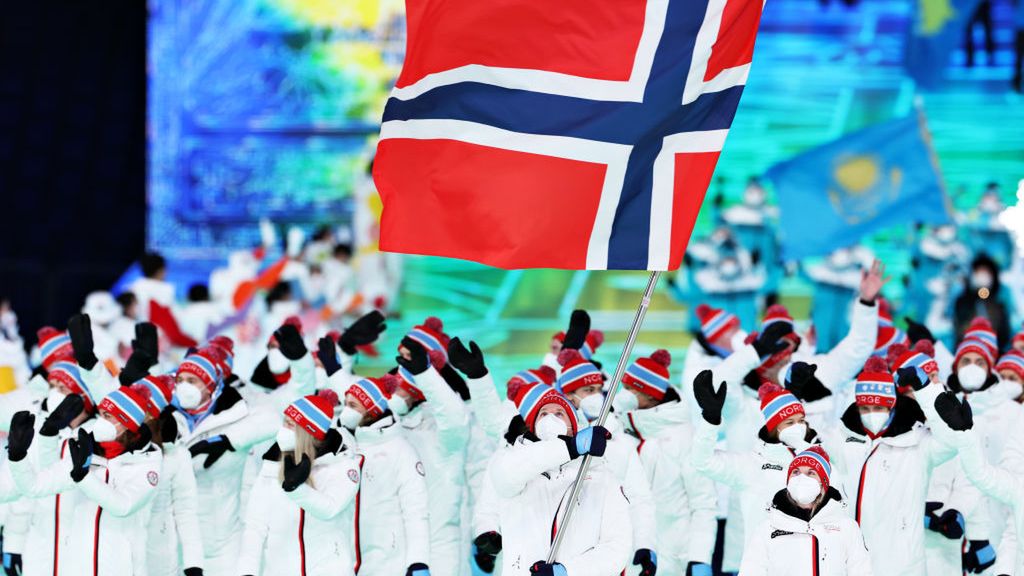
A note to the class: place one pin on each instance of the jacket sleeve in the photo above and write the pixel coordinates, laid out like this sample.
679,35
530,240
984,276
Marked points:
342,379
944,358
515,466
412,497
254,535
609,556
132,490
261,423
701,494
1006,554
302,383
486,405
184,505
641,503
858,561
719,465
990,480
35,482
841,364
755,553
17,525
487,512
449,411
333,493
941,443
99,381
8,490
732,371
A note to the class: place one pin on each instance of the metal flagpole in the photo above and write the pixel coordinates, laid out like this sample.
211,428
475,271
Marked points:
620,370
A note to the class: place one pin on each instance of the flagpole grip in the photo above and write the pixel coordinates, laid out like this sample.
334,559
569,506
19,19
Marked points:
620,370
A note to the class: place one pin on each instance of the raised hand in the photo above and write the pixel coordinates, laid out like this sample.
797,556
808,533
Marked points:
770,341
710,402
418,361
579,327
872,281
363,331
327,352
470,362
290,342
80,332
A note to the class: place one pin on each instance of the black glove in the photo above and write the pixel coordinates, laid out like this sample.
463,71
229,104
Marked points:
419,361
290,342
955,414
295,474
146,342
12,564
647,560
81,454
60,417
979,556
168,426
485,562
918,332
950,524
19,438
327,352
710,402
579,327
908,377
804,385
541,568
488,543
363,331
770,340
80,332
592,440
214,447
469,362
417,569
193,571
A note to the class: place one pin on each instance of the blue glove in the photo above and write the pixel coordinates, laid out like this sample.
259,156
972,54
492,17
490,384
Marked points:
647,560
979,556
950,524
417,569
592,440
698,569
545,569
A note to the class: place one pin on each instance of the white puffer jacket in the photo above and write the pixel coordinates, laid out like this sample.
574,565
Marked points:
306,531
829,544
391,518
532,481
174,530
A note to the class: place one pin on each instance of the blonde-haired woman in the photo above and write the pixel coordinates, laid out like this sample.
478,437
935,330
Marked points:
295,521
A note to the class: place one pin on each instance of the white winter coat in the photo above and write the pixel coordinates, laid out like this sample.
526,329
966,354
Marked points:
830,544
392,527
532,480
175,542
306,531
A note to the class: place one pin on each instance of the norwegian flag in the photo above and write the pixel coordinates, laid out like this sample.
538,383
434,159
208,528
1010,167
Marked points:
575,134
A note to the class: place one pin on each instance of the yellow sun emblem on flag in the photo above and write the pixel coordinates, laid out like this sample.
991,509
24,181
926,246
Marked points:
860,183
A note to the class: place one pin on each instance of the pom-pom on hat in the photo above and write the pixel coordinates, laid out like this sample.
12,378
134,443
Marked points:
875,386
976,346
128,405
373,393
981,329
919,358
815,458
1012,361
431,335
313,414
577,372
530,398
54,346
161,390
776,313
888,336
715,322
67,373
777,404
227,347
591,343
649,375
542,375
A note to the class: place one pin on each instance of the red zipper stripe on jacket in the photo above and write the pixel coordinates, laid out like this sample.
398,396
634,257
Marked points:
56,521
302,542
96,535
860,485
814,557
359,493
637,431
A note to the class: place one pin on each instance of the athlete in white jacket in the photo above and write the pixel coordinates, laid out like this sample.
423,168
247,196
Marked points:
808,532
532,477
296,521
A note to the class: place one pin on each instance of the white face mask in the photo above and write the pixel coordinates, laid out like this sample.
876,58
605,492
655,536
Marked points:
550,427
803,489
972,377
1011,389
794,436
398,406
286,440
981,279
753,196
625,401
874,421
349,418
729,268
946,234
53,399
104,431
276,361
189,396
591,406
841,259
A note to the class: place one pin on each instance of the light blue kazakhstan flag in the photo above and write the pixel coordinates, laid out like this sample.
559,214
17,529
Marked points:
937,29
832,196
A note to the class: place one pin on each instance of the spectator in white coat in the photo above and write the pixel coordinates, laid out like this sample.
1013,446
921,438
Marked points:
296,521
392,530
657,423
531,477
808,531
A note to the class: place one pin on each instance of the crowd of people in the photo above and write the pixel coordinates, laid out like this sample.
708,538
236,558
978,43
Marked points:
147,437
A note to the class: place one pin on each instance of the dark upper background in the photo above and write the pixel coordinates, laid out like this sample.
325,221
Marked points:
72,152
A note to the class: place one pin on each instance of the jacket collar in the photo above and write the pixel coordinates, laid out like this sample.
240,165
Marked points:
379,432
228,408
656,421
906,422
787,516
